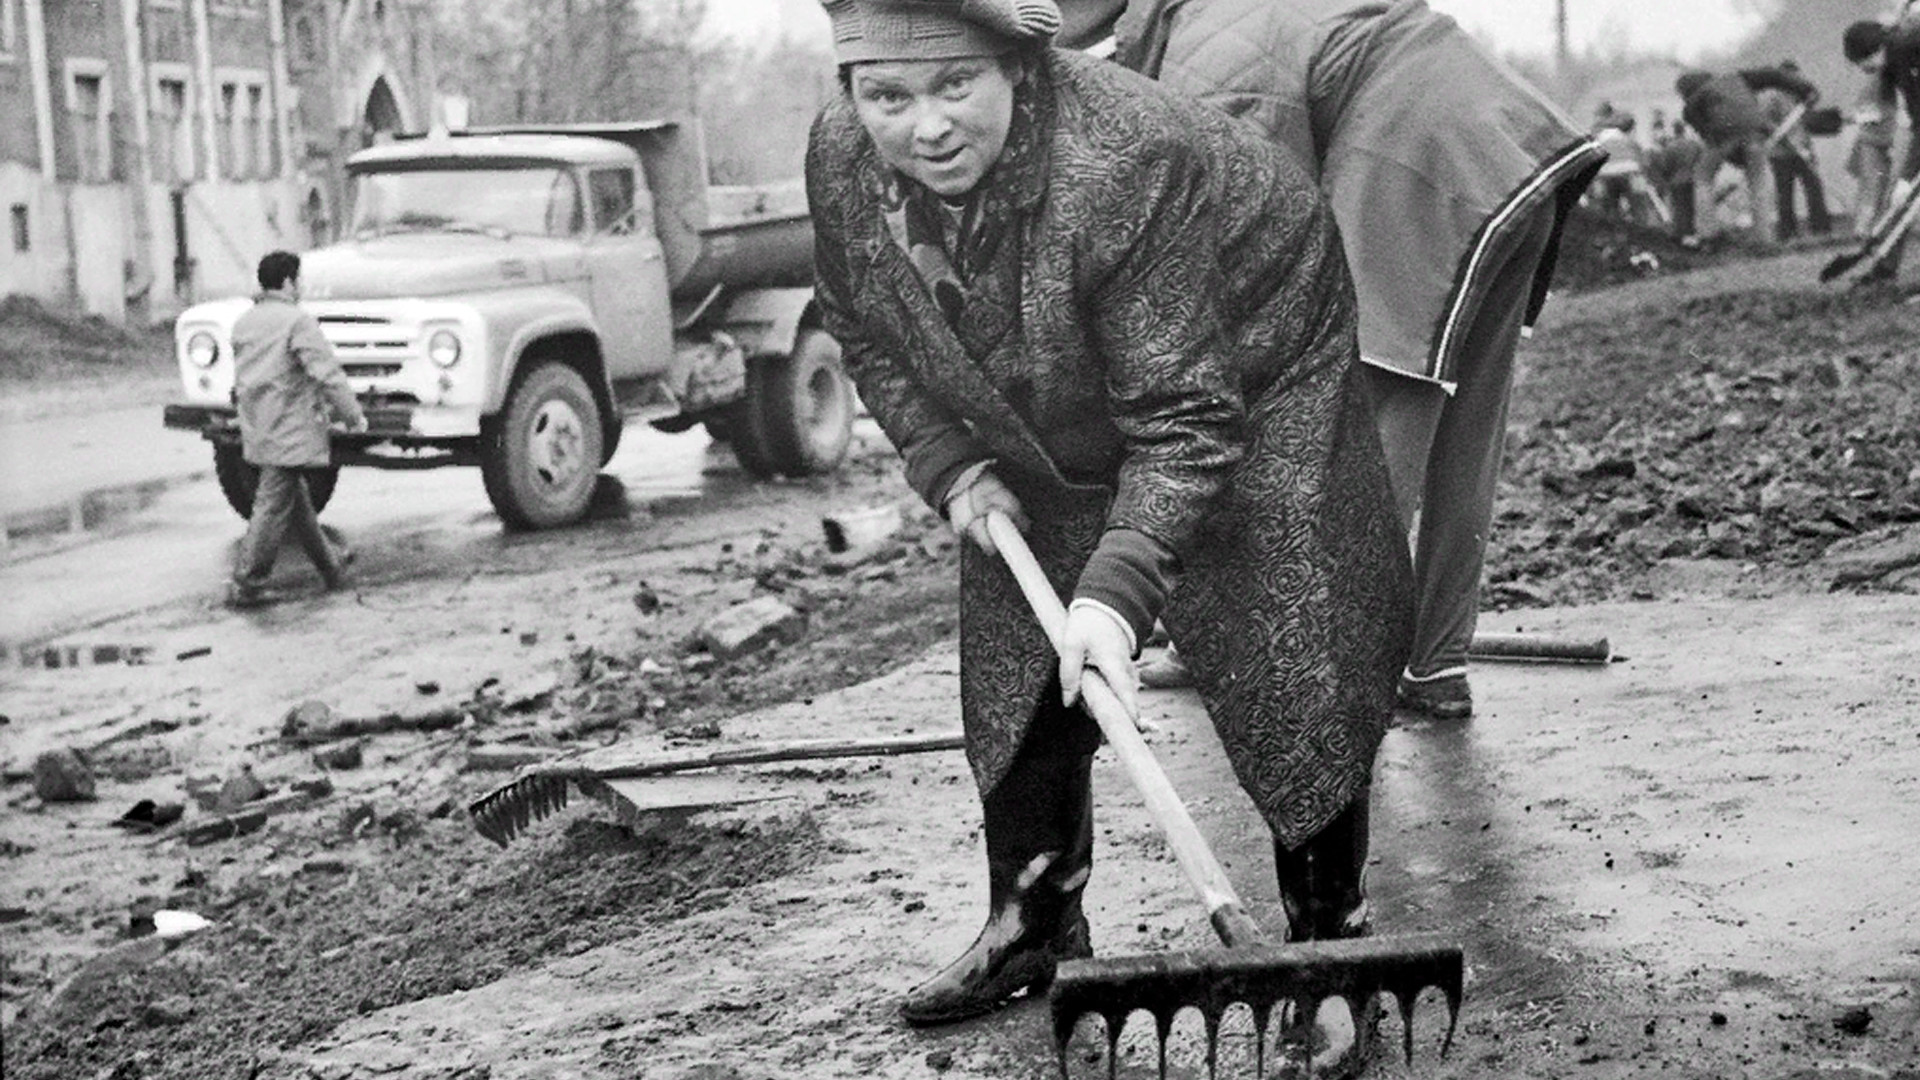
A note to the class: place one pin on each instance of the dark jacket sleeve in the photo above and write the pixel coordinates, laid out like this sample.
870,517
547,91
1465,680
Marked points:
934,444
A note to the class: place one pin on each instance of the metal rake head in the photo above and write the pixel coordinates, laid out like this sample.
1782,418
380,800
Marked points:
506,812
1263,978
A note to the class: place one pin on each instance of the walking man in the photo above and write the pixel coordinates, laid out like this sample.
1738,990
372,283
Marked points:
285,383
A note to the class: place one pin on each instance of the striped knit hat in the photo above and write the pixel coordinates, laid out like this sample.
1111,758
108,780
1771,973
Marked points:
865,30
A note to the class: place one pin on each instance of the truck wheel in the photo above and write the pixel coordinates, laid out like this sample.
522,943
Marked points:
797,418
540,457
239,480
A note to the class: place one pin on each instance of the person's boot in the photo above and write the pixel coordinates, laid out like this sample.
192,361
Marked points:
1323,890
1039,832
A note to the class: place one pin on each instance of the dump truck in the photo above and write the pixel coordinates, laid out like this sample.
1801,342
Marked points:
510,298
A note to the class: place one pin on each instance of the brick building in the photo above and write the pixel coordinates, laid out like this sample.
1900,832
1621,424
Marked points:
152,150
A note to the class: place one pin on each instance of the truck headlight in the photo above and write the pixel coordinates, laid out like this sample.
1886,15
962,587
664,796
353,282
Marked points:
443,348
203,349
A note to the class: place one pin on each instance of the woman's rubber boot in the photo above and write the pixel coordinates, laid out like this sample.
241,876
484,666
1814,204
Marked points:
1039,831
1323,889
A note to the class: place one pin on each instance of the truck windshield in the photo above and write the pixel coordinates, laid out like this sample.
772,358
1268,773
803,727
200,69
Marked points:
523,200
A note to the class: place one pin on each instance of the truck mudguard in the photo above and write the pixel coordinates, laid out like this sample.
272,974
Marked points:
768,320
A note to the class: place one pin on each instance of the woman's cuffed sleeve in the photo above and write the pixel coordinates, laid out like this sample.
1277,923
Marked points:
1130,573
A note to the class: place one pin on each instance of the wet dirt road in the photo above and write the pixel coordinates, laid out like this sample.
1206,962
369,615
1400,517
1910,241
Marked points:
1689,864
173,545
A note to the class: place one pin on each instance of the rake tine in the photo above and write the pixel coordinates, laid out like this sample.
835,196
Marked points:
1163,1027
1113,1048
1210,1013
1405,1001
1453,1018
485,813
1262,1014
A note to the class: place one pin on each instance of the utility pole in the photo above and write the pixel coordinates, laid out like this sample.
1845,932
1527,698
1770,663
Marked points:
1563,53
140,176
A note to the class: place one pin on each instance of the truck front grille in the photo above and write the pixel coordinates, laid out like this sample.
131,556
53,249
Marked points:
369,371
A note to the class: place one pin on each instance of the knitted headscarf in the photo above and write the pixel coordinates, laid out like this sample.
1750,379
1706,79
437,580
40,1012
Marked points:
865,30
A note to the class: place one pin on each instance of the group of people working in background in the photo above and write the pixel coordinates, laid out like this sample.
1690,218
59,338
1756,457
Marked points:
1763,122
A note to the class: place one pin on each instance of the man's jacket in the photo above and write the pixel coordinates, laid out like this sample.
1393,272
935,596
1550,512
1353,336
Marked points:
1436,157
1726,109
285,382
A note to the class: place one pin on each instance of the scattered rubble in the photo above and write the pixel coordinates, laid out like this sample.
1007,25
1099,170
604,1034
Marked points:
63,776
150,816
335,730
502,757
346,756
751,626
852,529
1853,1020
240,788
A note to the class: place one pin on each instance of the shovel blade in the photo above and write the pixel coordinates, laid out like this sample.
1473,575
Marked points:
1265,978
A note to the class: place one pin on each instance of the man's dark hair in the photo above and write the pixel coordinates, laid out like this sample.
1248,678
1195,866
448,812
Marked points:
278,268
1863,39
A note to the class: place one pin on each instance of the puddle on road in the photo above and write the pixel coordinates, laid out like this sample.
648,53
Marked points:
654,464
52,657
86,513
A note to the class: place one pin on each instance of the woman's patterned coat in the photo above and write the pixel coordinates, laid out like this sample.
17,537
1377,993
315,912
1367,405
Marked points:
1162,338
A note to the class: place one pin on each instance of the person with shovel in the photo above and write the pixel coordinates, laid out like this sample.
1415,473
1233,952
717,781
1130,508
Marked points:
1078,301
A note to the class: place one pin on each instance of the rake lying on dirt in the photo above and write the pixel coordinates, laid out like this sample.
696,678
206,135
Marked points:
539,790
1251,970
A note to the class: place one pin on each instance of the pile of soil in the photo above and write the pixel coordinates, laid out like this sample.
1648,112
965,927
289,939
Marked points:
39,342
393,915
1758,427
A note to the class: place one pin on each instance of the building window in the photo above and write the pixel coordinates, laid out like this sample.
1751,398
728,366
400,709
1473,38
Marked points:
90,108
227,119
612,194
172,133
306,43
22,238
243,124
259,132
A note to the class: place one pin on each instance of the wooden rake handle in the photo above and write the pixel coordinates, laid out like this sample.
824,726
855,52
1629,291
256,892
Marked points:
1196,859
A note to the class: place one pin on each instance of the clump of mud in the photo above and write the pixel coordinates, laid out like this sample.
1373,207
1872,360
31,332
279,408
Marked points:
293,956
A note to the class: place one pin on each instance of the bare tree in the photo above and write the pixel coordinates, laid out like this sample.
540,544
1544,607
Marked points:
564,61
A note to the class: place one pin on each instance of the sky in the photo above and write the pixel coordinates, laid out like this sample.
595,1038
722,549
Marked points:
1685,27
